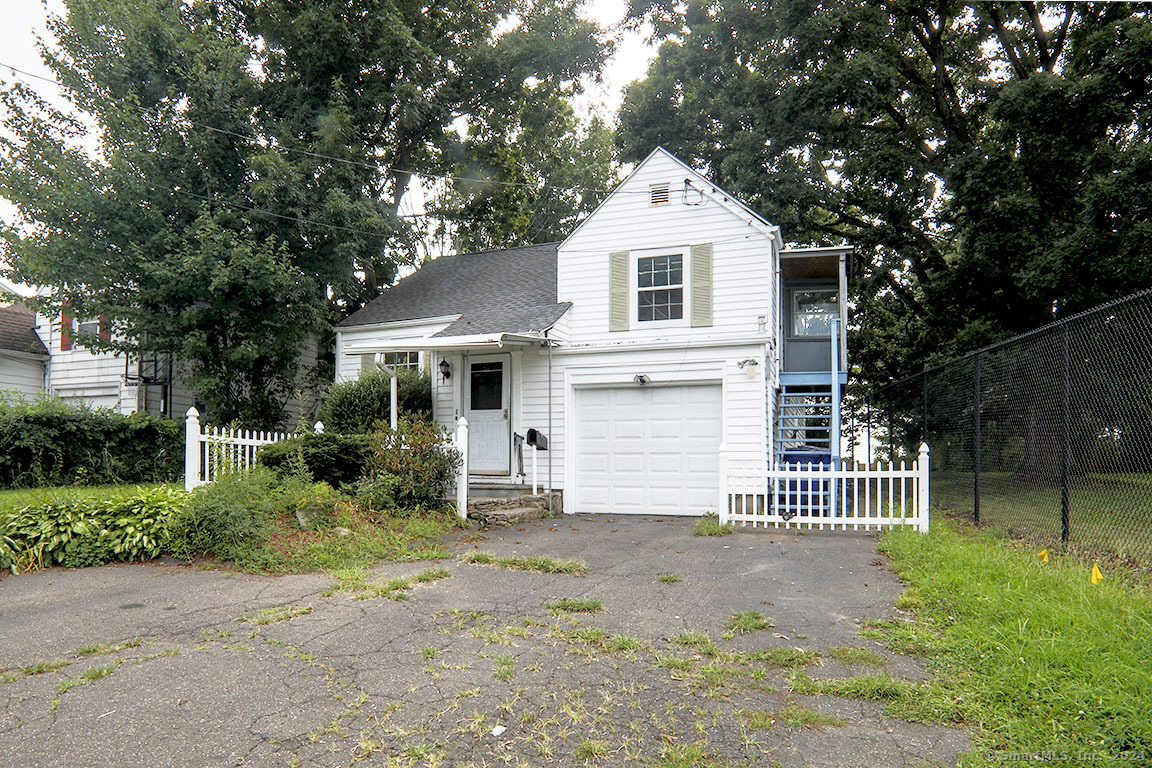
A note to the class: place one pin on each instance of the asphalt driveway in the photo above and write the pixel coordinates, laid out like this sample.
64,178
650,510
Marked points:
170,665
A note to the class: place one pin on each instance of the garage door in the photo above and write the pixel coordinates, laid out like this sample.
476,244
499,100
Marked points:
647,450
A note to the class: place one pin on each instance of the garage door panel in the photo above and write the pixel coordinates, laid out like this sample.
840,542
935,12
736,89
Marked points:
661,456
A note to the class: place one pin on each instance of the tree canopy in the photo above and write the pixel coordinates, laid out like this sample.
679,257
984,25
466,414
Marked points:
250,160
986,159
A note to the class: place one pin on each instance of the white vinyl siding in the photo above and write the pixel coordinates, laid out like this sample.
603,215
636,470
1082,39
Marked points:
742,260
21,375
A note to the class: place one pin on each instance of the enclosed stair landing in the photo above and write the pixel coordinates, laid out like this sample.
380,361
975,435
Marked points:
804,418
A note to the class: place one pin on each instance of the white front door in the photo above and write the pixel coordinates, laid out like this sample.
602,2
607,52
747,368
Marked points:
647,450
486,407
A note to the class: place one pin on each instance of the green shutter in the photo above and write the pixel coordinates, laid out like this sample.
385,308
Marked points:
702,285
618,291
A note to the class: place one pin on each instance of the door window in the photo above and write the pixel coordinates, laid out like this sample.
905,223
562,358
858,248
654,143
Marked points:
486,388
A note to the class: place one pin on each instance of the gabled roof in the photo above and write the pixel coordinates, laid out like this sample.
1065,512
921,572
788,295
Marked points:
707,187
17,331
498,291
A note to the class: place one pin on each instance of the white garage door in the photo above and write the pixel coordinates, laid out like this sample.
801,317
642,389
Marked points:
647,450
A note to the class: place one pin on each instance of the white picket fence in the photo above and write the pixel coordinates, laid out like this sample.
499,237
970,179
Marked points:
210,452
824,496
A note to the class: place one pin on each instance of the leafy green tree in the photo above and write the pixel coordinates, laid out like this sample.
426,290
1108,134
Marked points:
250,158
550,171
986,159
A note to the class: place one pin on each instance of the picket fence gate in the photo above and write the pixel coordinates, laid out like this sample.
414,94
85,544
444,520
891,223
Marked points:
210,452
844,496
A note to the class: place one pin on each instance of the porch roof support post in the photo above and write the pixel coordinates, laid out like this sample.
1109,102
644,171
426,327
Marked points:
393,397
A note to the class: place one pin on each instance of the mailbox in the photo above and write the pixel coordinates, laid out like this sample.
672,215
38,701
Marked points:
537,439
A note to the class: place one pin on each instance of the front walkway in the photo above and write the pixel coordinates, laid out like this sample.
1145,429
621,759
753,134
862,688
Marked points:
472,668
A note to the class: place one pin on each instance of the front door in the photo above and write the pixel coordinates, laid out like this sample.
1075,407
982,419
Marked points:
486,407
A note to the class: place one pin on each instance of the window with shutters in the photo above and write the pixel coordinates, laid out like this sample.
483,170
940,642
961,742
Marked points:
660,286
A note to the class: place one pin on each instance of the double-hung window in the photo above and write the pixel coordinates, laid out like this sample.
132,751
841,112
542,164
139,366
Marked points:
660,287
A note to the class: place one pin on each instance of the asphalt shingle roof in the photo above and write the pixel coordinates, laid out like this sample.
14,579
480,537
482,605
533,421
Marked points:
505,291
17,330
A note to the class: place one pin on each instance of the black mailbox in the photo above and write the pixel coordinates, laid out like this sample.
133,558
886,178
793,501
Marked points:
537,439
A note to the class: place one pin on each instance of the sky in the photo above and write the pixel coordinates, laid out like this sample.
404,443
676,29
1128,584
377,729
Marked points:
25,19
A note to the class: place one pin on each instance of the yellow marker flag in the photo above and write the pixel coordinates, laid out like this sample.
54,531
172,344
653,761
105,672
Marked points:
1043,555
1097,577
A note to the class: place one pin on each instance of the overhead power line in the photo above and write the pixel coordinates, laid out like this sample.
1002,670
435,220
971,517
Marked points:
358,163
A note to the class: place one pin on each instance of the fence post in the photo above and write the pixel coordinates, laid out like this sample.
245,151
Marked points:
462,473
924,467
192,449
1065,437
722,500
319,427
976,450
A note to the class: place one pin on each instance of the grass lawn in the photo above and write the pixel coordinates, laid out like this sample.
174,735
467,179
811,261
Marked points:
1032,655
1109,512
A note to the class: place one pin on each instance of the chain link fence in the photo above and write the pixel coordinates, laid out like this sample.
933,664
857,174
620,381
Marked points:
1047,434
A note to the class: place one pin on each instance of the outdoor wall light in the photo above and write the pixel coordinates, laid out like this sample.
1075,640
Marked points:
641,379
445,369
749,366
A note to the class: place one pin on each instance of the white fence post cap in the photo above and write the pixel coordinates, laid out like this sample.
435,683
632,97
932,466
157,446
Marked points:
462,421
923,448
319,426
192,413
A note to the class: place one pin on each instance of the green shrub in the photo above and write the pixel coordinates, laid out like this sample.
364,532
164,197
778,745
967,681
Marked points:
316,505
331,458
377,493
421,459
357,406
228,519
51,442
78,532
8,554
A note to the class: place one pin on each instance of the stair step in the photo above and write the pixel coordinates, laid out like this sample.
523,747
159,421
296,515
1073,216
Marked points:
506,516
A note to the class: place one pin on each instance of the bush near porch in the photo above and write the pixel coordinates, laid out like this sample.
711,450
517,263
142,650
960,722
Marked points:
359,405
49,442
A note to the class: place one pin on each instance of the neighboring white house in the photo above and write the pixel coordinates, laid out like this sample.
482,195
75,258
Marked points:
23,357
60,365
670,322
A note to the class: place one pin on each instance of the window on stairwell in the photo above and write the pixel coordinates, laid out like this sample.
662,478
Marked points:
813,311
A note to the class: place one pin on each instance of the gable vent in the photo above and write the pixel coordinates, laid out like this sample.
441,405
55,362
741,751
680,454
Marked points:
659,194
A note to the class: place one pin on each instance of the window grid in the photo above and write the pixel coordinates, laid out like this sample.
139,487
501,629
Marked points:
660,281
403,359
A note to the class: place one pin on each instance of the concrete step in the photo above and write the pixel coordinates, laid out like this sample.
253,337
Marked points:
501,516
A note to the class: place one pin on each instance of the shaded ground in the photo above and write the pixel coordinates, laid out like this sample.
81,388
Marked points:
471,669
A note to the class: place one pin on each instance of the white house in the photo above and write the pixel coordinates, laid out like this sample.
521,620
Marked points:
671,322
23,356
40,354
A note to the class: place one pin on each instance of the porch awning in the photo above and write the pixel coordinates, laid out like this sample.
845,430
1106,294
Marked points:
448,343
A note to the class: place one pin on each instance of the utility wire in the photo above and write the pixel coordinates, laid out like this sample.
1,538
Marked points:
346,161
